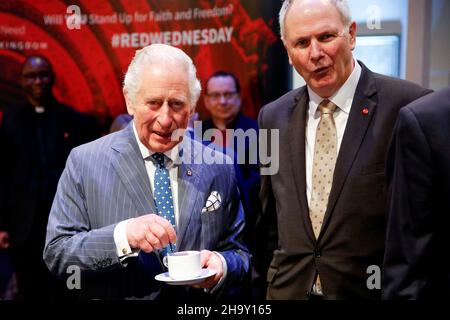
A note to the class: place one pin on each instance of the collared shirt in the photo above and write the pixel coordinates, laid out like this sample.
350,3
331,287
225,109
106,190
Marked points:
120,237
39,109
343,99
171,161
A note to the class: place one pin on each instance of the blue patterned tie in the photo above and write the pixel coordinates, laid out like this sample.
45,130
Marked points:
163,194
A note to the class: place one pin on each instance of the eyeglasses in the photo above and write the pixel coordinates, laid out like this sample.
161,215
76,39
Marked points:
35,75
217,95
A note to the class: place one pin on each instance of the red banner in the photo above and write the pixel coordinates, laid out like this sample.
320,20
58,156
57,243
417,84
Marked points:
91,43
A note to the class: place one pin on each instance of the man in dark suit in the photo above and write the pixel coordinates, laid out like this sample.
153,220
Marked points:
418,170
223,101
35,140
323,219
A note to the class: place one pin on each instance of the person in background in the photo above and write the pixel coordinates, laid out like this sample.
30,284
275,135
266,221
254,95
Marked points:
36,139
222,99
120,122
418,170
124,200
323,220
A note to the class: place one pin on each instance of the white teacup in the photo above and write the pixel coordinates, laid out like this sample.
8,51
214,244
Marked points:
183,265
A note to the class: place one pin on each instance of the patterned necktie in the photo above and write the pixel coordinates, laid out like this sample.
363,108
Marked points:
323,168
323,165
163,194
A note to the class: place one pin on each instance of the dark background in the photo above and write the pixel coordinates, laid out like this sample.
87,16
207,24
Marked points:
90,71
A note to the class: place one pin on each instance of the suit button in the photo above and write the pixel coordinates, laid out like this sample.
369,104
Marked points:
317,253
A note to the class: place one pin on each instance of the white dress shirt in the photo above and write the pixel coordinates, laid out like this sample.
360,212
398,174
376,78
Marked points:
120,237
343,99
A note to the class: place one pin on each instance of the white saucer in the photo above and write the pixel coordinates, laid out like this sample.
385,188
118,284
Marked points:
203,275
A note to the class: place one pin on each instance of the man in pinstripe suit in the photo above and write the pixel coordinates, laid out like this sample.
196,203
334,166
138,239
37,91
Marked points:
103,219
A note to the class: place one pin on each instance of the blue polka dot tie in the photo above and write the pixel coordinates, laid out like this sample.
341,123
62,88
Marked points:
163,194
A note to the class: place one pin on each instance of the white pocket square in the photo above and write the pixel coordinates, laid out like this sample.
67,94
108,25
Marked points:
213,203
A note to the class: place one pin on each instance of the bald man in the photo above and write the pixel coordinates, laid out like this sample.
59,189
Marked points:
35,140
323,219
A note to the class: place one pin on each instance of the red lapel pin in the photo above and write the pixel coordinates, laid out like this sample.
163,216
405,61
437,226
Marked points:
365,111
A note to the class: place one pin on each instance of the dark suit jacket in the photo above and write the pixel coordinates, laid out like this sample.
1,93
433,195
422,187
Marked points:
419,210
34,151
247,174
353,231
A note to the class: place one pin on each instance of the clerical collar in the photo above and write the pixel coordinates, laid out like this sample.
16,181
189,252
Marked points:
39,109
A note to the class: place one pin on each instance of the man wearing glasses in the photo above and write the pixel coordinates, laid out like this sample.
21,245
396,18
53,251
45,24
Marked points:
223,101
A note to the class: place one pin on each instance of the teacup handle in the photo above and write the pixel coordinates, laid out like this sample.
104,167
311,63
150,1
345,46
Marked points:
165,261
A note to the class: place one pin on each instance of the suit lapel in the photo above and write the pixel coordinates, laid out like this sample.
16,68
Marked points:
296,137
131,170
129,165
187,187
361,113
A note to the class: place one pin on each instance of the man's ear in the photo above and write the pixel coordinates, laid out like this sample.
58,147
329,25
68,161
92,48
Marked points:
287,51
193,116
129,103
289,56
191,111
352,32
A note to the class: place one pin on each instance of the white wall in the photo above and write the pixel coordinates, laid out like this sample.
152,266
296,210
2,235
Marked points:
440,45
394,19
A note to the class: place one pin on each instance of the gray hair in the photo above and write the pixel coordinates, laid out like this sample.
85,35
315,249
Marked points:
155,54
341,6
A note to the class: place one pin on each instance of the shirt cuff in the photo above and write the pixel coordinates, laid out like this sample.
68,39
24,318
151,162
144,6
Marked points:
123,248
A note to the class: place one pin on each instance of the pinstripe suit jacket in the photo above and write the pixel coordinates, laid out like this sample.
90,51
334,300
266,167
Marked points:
105,182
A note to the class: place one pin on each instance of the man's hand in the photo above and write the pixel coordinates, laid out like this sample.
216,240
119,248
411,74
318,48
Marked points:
210,260
150,232
4,240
